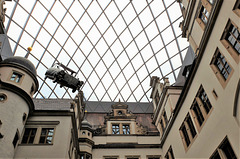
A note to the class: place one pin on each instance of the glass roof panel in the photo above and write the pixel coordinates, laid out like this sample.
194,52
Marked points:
114,46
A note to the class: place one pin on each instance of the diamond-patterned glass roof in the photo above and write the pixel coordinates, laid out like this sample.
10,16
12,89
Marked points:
115,46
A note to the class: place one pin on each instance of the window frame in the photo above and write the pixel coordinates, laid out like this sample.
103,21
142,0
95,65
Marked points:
202,111
188,131
37,136
217,71
219,150
163,121
127,130
205,7
113,128
169,154
235,55
121,131
46,136
3,97
236,8
16,139
18,77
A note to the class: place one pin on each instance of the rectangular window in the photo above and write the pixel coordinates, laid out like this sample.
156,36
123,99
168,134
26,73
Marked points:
204,12
169,154
204,15
231,39
204,100
163,122
115,129
29,135
15,140
201,108
46,136
126,129
187,131
16,77
221,67
198,113
236,8
224,151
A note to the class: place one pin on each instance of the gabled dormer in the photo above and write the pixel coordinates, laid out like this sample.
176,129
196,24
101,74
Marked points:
120,112
120,121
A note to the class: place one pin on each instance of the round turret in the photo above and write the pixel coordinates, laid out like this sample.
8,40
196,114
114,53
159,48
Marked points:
22,62
86,140
18,83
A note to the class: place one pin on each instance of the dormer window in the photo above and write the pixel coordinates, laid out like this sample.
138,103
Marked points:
115,129
126,129
121,128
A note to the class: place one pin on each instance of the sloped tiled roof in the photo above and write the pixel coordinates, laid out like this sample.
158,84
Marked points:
92,107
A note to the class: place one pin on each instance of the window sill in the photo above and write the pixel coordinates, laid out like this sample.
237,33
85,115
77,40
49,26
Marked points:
35,145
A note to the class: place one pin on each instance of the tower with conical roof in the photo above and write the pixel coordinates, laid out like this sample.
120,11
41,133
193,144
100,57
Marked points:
18,83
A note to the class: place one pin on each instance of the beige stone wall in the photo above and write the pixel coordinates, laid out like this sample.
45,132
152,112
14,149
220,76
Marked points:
11,113
61,141
221,122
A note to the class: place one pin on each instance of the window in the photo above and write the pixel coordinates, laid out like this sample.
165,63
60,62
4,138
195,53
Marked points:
163,122
3,97
15,140
204,12
121,129
236,8
169,154
115,129
29,135
233,37
204,15
221,67
187,132
231,40
16,77
201,108
224,151
45,136
126,129
24,117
